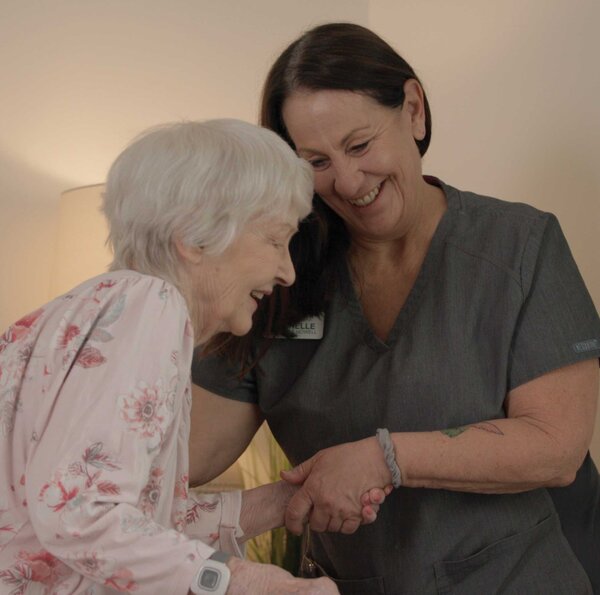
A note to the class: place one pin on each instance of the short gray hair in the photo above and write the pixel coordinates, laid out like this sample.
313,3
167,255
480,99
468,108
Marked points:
202,181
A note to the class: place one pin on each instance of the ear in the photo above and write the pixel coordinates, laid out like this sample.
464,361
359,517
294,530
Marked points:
188,254
414,103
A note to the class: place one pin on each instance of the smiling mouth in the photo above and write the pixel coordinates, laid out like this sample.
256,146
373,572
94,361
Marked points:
258,295
366,200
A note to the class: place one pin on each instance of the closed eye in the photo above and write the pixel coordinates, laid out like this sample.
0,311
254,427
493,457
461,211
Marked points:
280,243
319,163
360,148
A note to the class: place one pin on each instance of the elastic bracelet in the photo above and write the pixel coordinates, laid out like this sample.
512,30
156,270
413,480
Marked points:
389,453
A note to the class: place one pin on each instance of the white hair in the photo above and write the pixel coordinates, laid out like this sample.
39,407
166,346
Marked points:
201,182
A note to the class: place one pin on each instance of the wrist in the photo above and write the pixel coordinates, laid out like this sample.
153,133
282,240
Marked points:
389,455
263,508
214,576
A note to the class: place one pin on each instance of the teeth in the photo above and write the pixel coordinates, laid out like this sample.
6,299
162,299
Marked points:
257,294
368,199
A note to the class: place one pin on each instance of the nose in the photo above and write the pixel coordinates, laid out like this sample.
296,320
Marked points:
286,273
348,178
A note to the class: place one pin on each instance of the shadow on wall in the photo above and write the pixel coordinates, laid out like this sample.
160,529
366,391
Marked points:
28,220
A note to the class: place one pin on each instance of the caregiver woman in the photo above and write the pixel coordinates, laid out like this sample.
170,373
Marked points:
457,322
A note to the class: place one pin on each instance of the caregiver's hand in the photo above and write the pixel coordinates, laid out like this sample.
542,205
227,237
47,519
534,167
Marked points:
339,488
265,579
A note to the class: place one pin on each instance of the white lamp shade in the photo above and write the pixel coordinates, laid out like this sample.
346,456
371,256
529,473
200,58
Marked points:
82,231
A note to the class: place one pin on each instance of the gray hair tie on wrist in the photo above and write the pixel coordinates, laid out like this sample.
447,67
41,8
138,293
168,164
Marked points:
389,453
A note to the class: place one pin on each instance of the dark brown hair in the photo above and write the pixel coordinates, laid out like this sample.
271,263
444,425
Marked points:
340,56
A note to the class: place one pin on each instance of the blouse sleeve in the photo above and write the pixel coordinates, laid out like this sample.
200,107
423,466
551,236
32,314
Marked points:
558,324
103,469
221,530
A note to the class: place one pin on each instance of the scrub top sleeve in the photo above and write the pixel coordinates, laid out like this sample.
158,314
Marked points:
558,324
217,375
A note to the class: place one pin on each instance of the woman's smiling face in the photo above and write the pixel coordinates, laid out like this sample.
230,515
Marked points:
230,285
366,162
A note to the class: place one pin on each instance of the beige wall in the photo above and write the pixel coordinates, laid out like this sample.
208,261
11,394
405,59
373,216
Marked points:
80,79
514,88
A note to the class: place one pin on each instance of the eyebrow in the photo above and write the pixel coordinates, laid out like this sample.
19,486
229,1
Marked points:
341,143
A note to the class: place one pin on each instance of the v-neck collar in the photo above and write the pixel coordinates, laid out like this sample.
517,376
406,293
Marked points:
429,265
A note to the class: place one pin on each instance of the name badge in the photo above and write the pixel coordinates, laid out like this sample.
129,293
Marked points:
309,328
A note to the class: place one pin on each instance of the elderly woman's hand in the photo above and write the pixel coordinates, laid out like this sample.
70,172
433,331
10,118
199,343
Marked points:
371,501
266,579
338,489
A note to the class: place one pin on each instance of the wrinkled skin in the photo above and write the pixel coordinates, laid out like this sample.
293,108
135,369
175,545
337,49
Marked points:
251,578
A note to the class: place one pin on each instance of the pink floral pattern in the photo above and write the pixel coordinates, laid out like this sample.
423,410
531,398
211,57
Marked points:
144,410
151,492
33,567
94,427
15,353
122,581
90,357
73,488
20,329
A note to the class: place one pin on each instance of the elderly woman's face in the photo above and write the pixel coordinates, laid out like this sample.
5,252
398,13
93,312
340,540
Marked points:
366,162
231,284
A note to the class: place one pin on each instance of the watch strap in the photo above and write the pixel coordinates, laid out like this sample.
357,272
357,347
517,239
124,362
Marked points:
219,556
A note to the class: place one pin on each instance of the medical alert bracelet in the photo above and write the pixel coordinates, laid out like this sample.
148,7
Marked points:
385,441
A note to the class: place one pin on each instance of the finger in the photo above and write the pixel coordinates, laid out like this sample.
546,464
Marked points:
369,515
296,513
376,495
388,489
319,520
335,524
349,526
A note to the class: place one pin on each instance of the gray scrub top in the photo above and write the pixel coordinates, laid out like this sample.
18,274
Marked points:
498,301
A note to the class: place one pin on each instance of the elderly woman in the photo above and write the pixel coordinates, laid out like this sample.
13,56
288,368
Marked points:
454,326
95,386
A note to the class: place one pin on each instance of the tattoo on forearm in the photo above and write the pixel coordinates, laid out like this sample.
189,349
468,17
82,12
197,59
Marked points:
454,432
486,426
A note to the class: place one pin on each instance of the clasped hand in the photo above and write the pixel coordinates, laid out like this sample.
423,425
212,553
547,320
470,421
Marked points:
339,488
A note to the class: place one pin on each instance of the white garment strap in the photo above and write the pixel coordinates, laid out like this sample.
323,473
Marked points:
229,528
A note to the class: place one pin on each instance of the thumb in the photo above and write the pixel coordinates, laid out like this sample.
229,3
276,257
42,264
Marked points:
298,474
297,511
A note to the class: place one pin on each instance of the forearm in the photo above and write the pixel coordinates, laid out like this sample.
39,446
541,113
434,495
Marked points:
263,508
541,443
221,429
498,456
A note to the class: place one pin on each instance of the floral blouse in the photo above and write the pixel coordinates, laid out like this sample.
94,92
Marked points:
95,406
